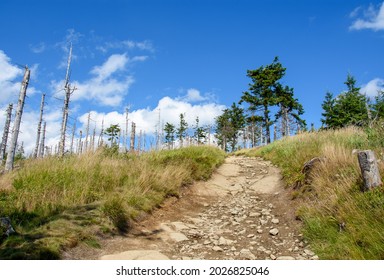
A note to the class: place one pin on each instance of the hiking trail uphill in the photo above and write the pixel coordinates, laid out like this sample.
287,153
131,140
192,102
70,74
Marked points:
242,212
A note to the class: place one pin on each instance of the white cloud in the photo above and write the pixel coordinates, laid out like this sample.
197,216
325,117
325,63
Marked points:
373,87
10,79
114,63
145,45
372,19
193,95
109,82
147,119
38,48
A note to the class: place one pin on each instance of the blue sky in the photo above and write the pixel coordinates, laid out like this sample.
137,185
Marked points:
180,56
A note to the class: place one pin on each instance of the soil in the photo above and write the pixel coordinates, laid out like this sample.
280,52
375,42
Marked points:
242,212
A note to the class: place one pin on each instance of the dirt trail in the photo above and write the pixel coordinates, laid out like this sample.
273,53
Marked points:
242,212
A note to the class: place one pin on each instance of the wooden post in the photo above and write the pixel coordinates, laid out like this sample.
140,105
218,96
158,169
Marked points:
16,125
5,133
369,170
39,127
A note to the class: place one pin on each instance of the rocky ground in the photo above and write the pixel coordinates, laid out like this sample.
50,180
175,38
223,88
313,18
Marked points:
243,212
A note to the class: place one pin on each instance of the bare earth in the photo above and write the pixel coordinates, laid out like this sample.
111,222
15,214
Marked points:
242,212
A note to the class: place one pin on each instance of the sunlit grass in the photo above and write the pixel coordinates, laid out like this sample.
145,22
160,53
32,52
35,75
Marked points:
339,220
55,203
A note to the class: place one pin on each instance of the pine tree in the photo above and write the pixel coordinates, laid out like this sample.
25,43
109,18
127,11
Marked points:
169,134
228,126
200,132
113,134
181,131
348,108
328,110
262,91
378,106
289,107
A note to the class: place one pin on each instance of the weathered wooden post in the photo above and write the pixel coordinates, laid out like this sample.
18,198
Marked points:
369,170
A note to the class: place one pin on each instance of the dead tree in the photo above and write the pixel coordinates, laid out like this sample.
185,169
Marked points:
87,132
126,128
39,127
16,125
369,170
5,133
133,131
68,91
42,144
100,141
72,137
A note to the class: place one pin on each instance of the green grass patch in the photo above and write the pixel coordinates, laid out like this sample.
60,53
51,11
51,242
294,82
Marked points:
339,221
56,203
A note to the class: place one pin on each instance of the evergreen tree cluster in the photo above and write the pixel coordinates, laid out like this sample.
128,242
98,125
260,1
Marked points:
351,107
264,93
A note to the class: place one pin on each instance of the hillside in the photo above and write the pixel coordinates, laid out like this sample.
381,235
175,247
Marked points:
58,203
340,221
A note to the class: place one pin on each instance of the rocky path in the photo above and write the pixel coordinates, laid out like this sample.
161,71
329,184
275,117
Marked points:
243,212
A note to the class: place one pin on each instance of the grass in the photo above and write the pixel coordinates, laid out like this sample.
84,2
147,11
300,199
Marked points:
57,203
339,220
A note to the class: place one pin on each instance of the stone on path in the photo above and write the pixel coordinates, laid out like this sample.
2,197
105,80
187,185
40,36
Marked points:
217,249
247,254
136,255
285,258
274,232
178,237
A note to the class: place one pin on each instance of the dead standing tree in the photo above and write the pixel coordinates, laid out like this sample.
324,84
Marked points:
16,125
35,152
5,133
68,92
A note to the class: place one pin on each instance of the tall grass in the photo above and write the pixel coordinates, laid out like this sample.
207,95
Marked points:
56,203
339,220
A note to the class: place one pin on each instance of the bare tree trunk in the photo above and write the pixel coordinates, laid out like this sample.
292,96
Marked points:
16,125
39,126
126,128
87,132
100,141
42,144
369,170
73,137
133,131
5,133
68,92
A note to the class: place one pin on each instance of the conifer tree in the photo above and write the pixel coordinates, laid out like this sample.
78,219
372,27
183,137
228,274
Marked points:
181,131
348,108
169,134
228,126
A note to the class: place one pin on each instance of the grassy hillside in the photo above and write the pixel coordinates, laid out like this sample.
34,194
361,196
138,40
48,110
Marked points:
56,203
340,221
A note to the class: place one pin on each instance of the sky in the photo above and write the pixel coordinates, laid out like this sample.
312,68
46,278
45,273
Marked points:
188,56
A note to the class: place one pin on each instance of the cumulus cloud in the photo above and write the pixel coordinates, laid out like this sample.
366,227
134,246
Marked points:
373,87
10,79
109,83
372,18
147,119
